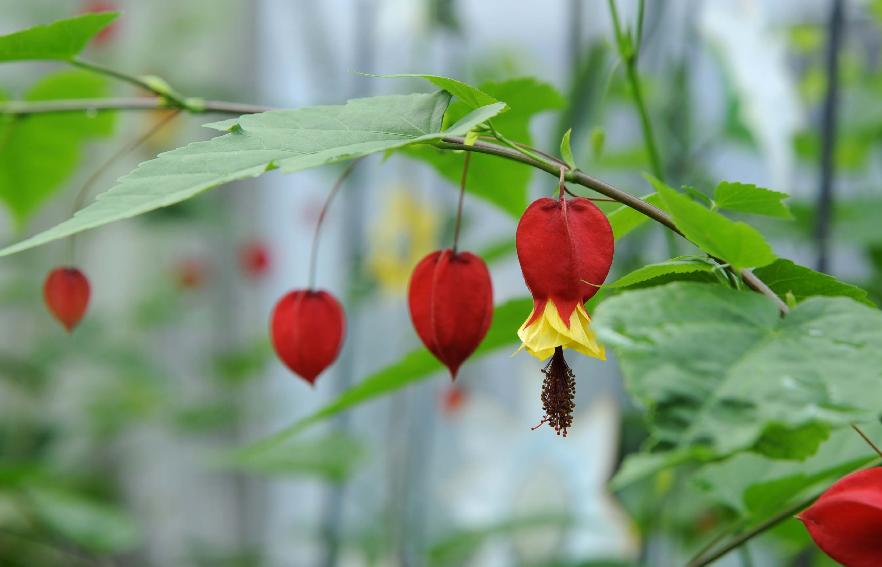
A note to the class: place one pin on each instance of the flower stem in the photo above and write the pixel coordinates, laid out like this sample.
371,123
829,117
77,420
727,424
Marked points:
462,188
867,439
81,195
167,93
313,256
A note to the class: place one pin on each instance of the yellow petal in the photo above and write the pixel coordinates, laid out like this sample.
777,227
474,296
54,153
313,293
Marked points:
548,331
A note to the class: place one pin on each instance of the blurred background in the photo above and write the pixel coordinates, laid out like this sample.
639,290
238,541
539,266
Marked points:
112,439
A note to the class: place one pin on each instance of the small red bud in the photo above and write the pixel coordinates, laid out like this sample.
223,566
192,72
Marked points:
190,273
307,330
846,521
66,292
451,305
452,400
254,258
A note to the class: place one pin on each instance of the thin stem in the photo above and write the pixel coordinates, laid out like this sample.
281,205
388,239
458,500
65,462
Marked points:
629,54
513,145
462,188
81,195
867,439
22,108
313,257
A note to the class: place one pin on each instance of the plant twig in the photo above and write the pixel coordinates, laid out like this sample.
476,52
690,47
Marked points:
462,189
313,255
23,108
581,178
867,439
158,88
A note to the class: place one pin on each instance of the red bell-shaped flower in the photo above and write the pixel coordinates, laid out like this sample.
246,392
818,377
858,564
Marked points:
565,248
254,257
307,330
66,292
451,305
846,521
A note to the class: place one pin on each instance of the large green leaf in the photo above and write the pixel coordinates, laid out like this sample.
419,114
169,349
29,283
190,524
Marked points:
719,371
38,153
470,96
498,181
785,277
290,140
755,486
747,198
413,367
737,243
60,40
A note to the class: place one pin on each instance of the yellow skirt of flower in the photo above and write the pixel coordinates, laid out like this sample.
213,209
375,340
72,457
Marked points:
549,331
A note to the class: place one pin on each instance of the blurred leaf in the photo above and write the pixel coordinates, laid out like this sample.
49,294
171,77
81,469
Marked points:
498,250
333,457
678,265
737,243
721,372
625,219
501,182
38,153
62,39
95,526
207,416
290,140
747,198
238,366
783,276
756,486
598,139
412,367
457,548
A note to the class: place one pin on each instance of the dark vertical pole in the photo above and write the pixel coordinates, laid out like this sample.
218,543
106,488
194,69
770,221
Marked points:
828,136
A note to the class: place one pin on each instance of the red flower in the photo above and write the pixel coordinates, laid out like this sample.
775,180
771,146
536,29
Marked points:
452,400
451,305
191,273
307,328
846,521
565,248
254,258
66,292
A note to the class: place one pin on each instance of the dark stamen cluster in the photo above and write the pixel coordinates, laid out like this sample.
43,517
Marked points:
558,393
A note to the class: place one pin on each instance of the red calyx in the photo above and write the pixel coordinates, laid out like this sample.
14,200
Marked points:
846,521
254,258
451,305
307,328
66,292
565,248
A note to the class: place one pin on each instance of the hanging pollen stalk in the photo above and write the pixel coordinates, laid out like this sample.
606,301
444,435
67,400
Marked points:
565,248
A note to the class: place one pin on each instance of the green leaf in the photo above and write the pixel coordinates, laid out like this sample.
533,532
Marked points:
625,219
38,153
739,244
719,370
333,457
92,525
598,140
60,40
290,140
755,486
566,151
747,198
784,277
471,96
413,367
678,265
500,182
